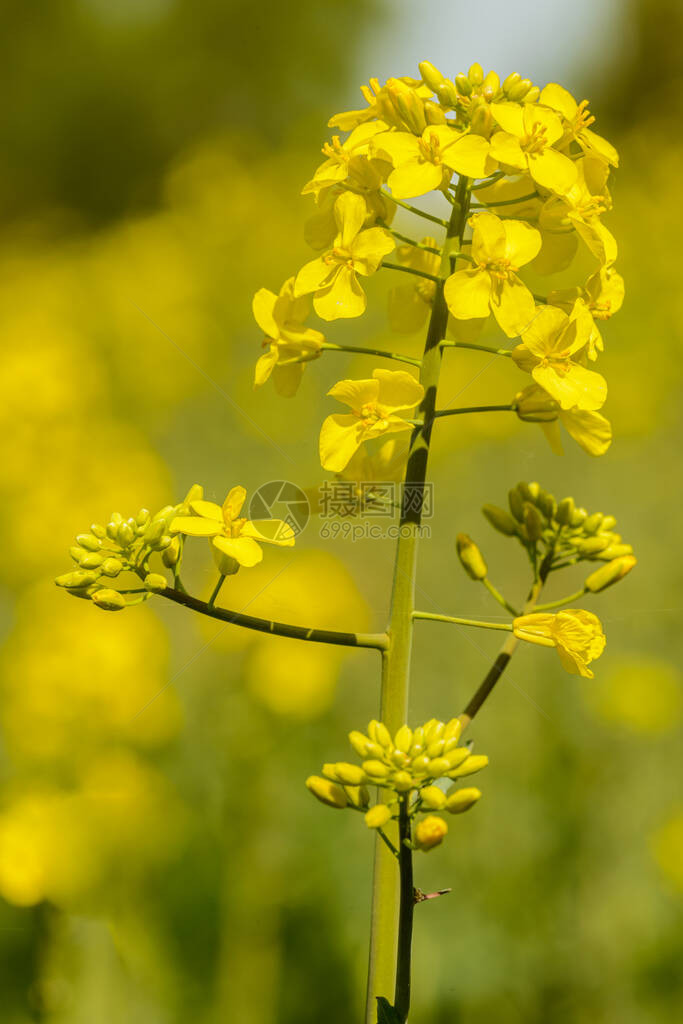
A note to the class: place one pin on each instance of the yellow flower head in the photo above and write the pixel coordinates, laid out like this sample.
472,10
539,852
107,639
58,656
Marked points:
430,832
581,208
578,119
499,249
427,162
290,344
589,429
376,408
236,538
576,634
525,142
333,277
603,294
548,344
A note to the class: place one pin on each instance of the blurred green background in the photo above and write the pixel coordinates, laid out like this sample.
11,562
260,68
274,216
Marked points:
160,858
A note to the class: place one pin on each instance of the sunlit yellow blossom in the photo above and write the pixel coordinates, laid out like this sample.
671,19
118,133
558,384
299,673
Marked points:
232,536
290,344
499,249
589,429
409,304
428,162
575,633
376,404
603,294
548,344
581,208
578,120
320,230
526,143
333,276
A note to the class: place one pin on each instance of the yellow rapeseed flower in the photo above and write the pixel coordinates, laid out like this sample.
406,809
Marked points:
237,538
548,344
332,277
290,344
603,294
575,633
376,407
499,249
590,430
526,142
348,159
578,119
427,162
581,208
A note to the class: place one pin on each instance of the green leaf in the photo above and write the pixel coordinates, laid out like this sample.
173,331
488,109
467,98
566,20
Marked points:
386,1014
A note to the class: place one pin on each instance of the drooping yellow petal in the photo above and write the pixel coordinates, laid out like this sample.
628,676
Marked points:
194,526
244,550
513,305
264,366
342,298
287,379
398,389
341,436
262,306
467,294
589,429
595,144
553,436
575,387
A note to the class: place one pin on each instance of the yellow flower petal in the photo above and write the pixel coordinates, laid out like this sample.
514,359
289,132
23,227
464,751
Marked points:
415,178
207,509
262,306
548,323
576,387
489,240
398,389
513,305
193,526
510,117
369,248
313,275
232,506
505,148
287,379
552,170
557,98
244,550
536,117
349,213
355,393
343,297
264,367
467,294
589,429
522,242
469,155
269,531
597,145
341,436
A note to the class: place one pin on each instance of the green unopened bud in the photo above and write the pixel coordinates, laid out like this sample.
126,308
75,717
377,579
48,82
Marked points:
457,756
143,516
433,730
155,531
516,503
593,523
380,734
359,742
350,774
88,541
109,600
402,781
438,766
376,769
431,75
155,582
592,545
462,799
579,517
358,796
403,739
519,91
490,85
463,85
433,798
511,80
608,523
435,748
616,551
500,520
111,567
434,113
399,758
77,553
533,521
378,816
470,557
98,530
77,579
482,121
476,74
534,406
610,573
91,560
452,730
327,792
171,554
420,764
430,832
547,504
474,763
532,95
565,511
125,535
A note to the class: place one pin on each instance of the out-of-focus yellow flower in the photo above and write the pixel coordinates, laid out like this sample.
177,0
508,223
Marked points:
590,430
376,404
575,633
526,142
603,294
667,848
409,304
578,120
428,162
234,536
641,694
333,277
499,249
581,208
548,344
290,344
430,832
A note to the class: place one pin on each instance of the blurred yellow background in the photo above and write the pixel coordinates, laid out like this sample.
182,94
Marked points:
160,858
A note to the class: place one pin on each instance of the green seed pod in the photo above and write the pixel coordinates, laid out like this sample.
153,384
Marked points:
533,521
470,557
437,767
378,816
476,74
109,600
462,799
89,541
98,530
565,511
350,774
155,582
500,520
593,523
433,798
402,782
77,579
511,80
359,742
111,567
609,574
376,769
327,792
403,739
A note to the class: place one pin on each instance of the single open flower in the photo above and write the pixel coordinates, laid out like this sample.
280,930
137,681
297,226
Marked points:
578,120
333,277
548,344
499,249
603,294
581,208
526,143
590,430
232,536
377,407
575,633
426,162
290,345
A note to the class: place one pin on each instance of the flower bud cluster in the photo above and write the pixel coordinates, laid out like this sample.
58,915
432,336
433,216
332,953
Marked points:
469,94
406,767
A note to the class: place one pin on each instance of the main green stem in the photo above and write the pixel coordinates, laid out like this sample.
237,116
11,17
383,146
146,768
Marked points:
396,658
406,911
